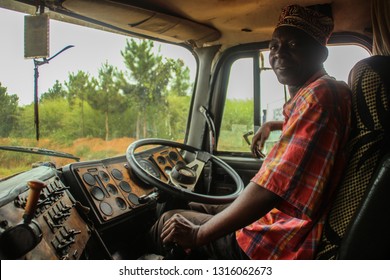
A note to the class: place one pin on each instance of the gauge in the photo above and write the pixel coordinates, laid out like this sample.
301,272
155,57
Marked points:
117,174
97,193
125,186
120,203
133,199
104,176
161,160
173,156
150,168
106,208
112,189
89,179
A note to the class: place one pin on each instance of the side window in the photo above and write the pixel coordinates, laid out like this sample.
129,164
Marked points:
238,113
245,113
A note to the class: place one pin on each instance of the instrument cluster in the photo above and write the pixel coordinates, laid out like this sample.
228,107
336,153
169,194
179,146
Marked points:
111,189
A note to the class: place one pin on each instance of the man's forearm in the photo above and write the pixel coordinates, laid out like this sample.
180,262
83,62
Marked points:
252,204
275,125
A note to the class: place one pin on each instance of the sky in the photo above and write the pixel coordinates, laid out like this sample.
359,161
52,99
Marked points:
92,49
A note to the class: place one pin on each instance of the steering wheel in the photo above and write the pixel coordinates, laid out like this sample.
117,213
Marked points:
184,177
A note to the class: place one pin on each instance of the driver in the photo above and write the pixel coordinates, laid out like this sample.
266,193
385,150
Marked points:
281,212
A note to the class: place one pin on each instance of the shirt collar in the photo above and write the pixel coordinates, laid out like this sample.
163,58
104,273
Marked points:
314,77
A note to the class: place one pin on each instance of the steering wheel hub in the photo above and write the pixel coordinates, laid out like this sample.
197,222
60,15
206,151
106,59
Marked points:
183,175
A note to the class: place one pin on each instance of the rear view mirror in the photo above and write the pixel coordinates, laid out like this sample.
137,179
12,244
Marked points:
36,36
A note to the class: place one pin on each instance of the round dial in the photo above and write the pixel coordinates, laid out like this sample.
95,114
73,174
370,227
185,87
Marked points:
161,160
183,174
149,167
187,172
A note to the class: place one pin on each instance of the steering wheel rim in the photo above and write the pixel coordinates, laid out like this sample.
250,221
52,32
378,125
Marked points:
179,192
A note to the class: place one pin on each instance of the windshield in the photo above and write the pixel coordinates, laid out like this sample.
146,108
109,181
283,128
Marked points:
99,94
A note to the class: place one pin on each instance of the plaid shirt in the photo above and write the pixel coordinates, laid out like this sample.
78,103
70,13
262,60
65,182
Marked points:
303,168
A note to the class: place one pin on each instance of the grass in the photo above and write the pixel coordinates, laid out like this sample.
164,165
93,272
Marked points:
85,148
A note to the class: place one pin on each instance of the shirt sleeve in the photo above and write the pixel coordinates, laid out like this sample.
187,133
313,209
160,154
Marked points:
298,166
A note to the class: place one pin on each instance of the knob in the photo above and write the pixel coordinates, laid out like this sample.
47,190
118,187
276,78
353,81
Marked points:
36,187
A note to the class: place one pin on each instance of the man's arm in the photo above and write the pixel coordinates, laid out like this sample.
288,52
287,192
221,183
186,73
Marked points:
262,135
252,204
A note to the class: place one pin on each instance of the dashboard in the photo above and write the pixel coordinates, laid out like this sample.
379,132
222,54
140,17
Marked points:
84,202
110,187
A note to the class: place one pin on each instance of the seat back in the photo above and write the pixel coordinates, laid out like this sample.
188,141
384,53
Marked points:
361,193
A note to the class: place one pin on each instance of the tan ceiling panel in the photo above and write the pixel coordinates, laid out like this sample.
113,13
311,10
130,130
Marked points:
142,21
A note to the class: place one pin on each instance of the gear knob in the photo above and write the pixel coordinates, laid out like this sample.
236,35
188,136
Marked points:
36,186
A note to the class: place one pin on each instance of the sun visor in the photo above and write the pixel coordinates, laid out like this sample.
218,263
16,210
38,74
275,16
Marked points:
144,22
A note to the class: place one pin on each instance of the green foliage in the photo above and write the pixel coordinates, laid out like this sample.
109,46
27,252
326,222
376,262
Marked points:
56,92
79,87
9,111
181,79
237,111
24,127
107,97
177,115
237,120
150,77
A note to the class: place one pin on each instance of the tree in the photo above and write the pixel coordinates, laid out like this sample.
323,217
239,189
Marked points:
79,86
107,97
9,111
149,76
52,113
57,91
178,100
181,79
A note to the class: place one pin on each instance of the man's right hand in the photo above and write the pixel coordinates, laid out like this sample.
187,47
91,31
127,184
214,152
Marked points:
181,231
262,135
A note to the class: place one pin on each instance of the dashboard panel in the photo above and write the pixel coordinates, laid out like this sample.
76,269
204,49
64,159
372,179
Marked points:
84,210
110,187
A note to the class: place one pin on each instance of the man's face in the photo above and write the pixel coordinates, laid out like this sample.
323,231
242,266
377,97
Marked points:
294,56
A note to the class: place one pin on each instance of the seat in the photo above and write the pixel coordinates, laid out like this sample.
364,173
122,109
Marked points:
357,227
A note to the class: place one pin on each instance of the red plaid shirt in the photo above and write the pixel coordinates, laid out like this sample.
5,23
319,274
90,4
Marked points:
303,168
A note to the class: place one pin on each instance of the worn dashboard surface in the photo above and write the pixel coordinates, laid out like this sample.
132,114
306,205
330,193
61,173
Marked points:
99,202
110,187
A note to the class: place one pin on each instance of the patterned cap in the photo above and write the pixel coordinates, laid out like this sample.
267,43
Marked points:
315,24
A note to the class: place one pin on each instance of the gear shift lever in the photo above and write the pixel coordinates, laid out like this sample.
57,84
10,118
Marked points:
36,186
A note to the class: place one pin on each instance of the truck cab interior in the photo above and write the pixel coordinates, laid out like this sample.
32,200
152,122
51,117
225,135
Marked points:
102,208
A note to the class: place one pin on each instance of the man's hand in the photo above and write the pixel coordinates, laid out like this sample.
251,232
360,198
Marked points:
259,139
262,135
254,202
181,231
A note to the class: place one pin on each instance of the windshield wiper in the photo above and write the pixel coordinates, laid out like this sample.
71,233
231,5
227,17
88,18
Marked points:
40,151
